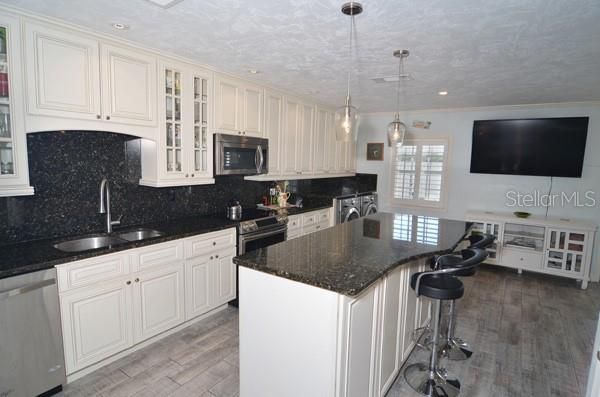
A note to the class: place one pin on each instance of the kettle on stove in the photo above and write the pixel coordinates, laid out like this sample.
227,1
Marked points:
234,210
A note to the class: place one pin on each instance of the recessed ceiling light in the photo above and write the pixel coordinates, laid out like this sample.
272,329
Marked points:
443,93
119,26
253,71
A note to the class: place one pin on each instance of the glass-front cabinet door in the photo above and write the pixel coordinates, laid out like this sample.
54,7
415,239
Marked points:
14,176
201,140
483,227
173,122
565,251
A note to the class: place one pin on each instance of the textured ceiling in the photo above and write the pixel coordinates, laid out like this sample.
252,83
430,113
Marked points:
484,52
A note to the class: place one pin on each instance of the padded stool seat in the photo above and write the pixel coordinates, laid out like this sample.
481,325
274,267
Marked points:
438,286
454,261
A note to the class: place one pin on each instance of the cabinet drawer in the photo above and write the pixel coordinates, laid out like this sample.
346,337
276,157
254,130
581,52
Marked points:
293,223
90,271
205,243
521,259
315,228
324,216
310,218
155,255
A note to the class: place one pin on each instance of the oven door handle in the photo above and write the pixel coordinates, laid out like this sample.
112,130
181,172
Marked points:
265,234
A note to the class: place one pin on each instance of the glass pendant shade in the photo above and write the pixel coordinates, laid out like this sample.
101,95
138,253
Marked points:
346,122
395,131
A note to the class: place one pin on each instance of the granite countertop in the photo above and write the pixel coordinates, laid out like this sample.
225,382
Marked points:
349,257
31,256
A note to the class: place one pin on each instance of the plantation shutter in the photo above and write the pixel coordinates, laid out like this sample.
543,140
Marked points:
418,171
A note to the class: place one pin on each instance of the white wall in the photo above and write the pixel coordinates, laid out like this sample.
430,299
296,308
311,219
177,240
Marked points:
468,191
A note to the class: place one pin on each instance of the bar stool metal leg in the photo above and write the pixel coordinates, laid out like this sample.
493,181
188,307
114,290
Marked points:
455,348
429,380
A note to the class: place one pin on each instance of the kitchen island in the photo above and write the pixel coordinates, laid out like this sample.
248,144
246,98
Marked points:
332,313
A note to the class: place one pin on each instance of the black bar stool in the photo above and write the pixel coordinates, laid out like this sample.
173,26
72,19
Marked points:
455,348
429,379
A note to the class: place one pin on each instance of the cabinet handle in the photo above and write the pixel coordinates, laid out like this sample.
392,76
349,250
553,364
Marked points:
192,175
244,132
239,132
214,243
216,256
211,258
318,227
128,282
186,175
598,355
98,116
107,117
137,280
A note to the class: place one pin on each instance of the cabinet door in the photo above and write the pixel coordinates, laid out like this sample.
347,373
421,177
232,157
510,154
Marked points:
320,142
158,301
490,228
565,251
202,156
410,315
330,144
252,108
173,156
423,303
341,152
273,130
63,73
224,279
390,337
128,86
290,136
304,147
96,323
14,172
227,106
197,286
351,157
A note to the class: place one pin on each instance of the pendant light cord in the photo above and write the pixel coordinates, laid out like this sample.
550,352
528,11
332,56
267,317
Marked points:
400,72
350,52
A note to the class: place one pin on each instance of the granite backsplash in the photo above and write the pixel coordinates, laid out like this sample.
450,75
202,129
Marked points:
66,169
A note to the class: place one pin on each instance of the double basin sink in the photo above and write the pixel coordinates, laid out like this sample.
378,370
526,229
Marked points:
106,240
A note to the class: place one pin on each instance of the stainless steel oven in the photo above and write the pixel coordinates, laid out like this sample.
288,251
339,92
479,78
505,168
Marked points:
241,155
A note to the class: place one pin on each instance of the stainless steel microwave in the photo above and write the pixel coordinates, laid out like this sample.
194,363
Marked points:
240,155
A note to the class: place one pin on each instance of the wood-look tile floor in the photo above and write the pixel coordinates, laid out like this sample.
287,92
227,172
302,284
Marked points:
532,334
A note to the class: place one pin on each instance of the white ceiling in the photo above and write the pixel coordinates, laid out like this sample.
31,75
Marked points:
484,52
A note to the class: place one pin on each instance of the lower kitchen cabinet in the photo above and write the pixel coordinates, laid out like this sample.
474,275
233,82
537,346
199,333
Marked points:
107,306
158,301
96,323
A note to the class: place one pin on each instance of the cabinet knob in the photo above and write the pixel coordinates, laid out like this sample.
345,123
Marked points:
107,117
214,243
128,282
98,116
211,258
239,132
192,175
137,280
186,175
318,226
244,132
216,256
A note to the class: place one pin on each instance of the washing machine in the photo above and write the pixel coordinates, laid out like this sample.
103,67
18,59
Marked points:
347,209
368,204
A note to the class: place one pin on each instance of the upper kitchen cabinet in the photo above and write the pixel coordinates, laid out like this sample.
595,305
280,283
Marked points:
239,107
182,154
128,86
14,173
273,129
297,138
75,81
322,141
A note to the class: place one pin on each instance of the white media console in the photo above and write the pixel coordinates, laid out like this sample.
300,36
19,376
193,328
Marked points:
557,246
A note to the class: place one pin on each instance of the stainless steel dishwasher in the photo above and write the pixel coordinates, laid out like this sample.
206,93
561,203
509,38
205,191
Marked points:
31,349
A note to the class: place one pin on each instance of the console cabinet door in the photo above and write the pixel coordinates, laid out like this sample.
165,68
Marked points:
128,86
566,251
63,73
158,300
97,323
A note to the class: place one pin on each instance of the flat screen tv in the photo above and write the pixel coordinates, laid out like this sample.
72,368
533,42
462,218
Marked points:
542,147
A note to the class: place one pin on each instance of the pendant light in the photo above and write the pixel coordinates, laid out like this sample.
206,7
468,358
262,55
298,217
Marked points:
396,129
347,117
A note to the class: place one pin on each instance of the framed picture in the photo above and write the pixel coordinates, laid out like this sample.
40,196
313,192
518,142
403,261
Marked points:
375,151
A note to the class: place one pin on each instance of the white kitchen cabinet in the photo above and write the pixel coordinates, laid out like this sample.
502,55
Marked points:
182,154
290,139
224,277
197,286
304,149
273,130
14,168
96,322
111,303
322,142
390,333
330,145
409,320
238,107
78,81
158,300
128,85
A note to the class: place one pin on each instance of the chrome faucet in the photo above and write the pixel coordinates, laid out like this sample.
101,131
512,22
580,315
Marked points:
105,205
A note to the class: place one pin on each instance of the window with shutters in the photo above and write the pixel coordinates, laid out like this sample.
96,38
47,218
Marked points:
419,173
